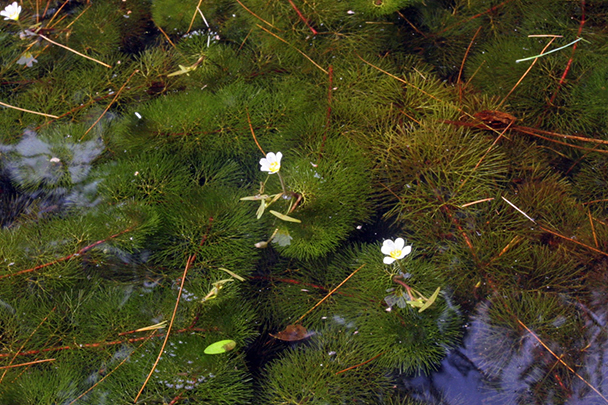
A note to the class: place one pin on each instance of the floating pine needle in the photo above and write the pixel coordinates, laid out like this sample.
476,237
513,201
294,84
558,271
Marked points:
109,105
360,364
518,210
293,333
329,293
28,111
194,17
253,134
73,51
551,51
296,49
189,263
29,363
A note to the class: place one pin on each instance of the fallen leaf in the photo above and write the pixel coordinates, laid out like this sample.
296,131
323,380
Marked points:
292,333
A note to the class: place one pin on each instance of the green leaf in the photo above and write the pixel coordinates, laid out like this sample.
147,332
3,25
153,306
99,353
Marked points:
255,197
284,217
220,347
260,210
232,274
430,301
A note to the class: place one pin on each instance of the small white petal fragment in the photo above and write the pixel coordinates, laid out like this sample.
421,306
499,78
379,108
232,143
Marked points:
271,163
395,250
54,160
11,12
138,115
27,59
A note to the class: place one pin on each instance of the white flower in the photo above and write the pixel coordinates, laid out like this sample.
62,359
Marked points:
271,163
395,250
11,12
27,59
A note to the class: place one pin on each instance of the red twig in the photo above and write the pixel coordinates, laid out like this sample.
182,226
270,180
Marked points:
462,64
360,364
174,400
488,11
304,19
68,257
97,344
563,77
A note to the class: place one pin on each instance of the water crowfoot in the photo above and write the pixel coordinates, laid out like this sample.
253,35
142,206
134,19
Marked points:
271,163
395,250
11,12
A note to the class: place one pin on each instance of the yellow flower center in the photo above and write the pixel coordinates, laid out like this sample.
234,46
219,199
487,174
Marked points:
395,254
274,167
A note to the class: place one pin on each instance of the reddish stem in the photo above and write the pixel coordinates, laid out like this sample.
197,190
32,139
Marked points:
68,257
304,19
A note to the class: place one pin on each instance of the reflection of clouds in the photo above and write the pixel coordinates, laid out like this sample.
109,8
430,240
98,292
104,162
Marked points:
518,369
52,171
501,363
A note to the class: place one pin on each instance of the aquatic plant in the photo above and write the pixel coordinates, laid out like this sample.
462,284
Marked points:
153,248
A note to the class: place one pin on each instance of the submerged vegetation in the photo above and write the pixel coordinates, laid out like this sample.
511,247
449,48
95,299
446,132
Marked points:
294,202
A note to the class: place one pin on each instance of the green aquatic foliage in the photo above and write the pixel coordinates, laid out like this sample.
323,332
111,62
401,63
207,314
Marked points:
316,373
116,182
332,186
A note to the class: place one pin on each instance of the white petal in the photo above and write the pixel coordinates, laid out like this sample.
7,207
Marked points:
387,247
271,157
279,156
388,260
399,243
406,250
